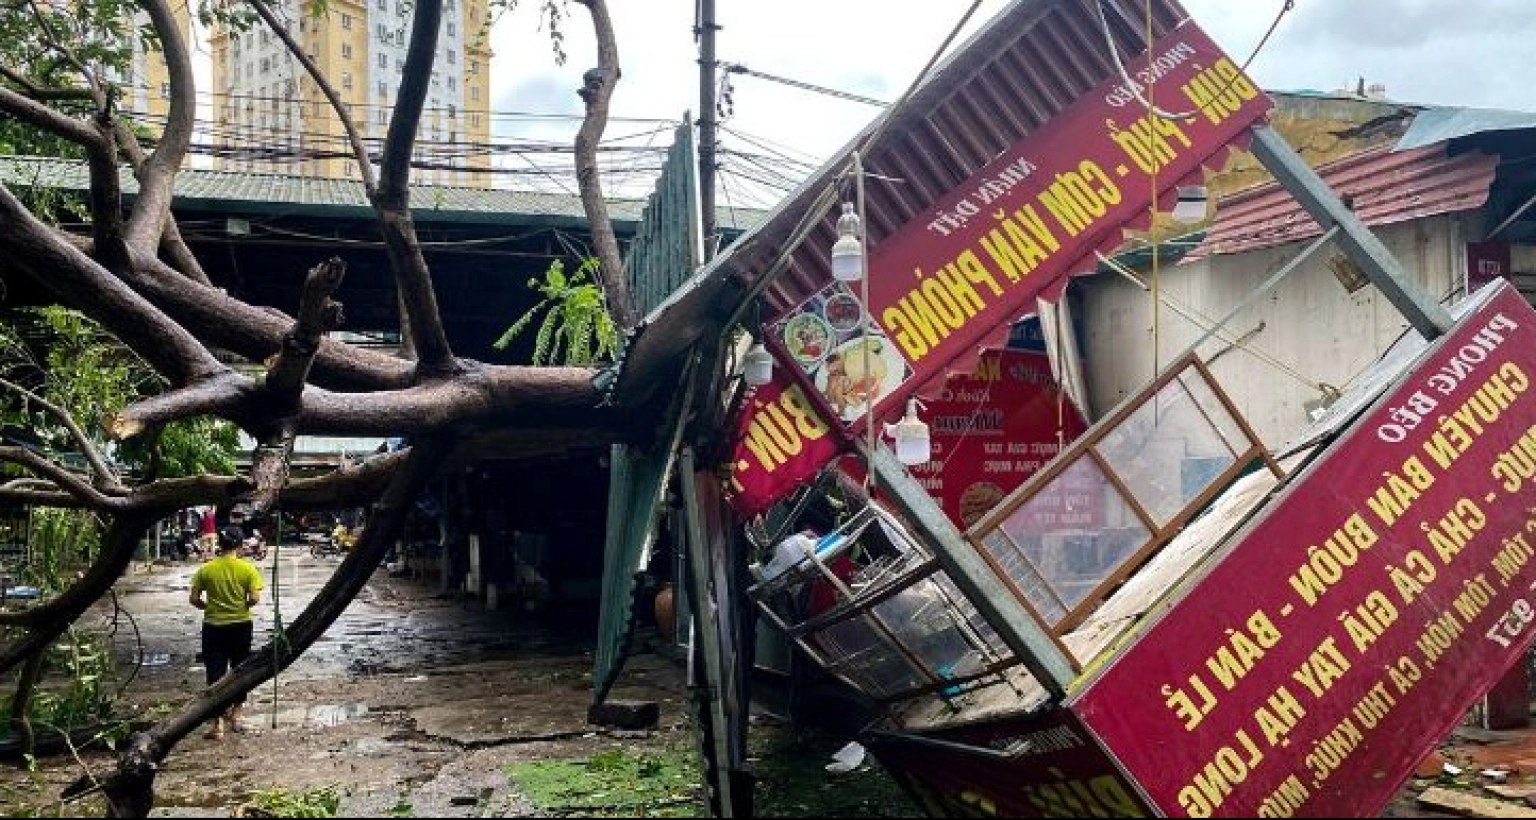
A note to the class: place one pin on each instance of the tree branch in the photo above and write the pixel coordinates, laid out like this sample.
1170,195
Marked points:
55,263
49,619
104,474
61,478
223,395
354,139
37,115
157,175
596,92
392,200
40,93
132,786
171,244
255,333
318,313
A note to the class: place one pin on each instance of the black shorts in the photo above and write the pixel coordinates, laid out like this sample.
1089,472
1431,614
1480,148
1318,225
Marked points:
225,646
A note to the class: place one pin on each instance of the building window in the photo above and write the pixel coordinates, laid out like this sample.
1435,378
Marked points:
383,61
346,51
452,29
474,66
165,91
346,80
383,117
474,93
453,56
474,119
346,22
383,89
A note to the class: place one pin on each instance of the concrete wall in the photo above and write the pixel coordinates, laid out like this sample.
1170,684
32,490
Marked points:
1308,330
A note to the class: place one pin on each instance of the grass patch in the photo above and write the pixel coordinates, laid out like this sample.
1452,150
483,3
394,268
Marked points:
283,803
792,780
614,783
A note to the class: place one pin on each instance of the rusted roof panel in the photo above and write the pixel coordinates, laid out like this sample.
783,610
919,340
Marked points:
1381,185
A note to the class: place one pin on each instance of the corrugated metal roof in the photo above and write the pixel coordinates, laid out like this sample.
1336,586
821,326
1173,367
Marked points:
984,98
1381,185
236,191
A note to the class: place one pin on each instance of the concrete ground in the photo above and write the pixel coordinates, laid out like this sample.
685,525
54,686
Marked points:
411,701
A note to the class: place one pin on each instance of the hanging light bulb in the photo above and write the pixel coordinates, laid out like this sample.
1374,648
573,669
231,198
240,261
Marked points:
913,444
848,251
757,365
1190,207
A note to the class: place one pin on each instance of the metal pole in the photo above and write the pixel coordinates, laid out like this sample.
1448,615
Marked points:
707,64
1427,315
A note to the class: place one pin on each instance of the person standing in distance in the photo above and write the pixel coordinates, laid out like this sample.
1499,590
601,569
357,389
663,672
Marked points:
225,588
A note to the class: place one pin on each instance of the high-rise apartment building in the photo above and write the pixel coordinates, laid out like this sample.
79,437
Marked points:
269,115
145,82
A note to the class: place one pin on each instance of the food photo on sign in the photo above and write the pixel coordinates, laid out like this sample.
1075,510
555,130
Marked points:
849,361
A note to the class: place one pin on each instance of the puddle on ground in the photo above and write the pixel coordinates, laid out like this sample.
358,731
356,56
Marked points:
330,715
323,715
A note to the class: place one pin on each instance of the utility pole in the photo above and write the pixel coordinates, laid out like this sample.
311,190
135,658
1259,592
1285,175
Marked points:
706,35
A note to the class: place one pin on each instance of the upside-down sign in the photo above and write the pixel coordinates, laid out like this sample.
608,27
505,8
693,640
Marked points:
976,260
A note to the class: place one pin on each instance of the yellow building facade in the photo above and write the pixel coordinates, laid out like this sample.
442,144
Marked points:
269,115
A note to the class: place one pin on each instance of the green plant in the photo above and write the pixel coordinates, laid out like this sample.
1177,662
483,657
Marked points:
283,803
614,783
576,328
84,694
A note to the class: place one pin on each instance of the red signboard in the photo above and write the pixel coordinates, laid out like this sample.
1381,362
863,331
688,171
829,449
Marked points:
976,259
1354,623
1486,261
780,443
993,428
1044,765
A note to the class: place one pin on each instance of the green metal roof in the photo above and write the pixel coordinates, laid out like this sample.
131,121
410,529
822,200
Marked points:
232,192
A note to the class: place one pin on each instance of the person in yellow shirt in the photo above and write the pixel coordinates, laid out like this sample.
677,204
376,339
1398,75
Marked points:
225,588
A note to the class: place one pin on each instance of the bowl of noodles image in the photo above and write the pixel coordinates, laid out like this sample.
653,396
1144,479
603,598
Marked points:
858,373
808,338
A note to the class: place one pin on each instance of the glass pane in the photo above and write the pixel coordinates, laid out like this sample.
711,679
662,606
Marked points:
1233,438
855,649
1073,534
1149,451
922,620
1018,569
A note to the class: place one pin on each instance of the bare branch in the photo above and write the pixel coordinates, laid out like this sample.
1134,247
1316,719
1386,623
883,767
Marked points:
104,474
354,139
596,92
41,116
318,313
255,333
171,244
221,395
157,176
54,262
107,194
62,478
392,199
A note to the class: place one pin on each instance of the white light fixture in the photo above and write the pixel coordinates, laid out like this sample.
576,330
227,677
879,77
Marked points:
848,251
913,445
1191,205
757,365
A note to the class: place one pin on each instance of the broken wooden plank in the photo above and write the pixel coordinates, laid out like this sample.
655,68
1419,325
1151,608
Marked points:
1470,805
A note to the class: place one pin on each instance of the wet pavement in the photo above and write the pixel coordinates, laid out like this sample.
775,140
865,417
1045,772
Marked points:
412,699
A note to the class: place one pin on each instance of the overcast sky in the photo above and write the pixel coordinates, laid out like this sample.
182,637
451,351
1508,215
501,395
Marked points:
1452,52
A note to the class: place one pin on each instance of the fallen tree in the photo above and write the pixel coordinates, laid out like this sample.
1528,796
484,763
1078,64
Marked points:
132,272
